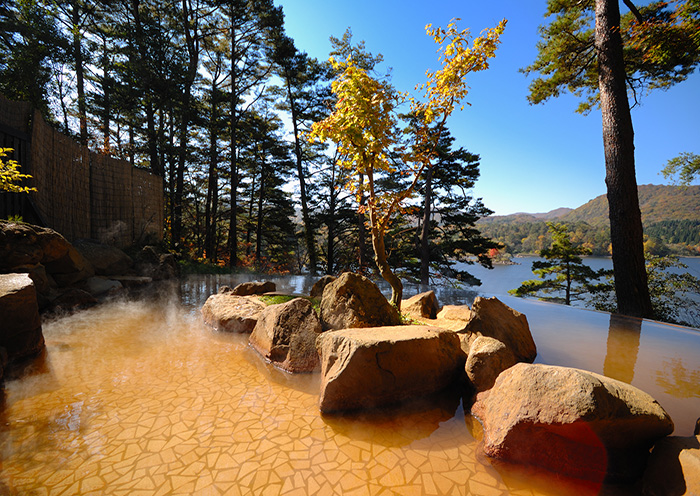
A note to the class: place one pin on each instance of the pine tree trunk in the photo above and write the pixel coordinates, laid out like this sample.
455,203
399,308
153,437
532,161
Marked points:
233,228
79,74
308,230
425,232
618,139
213,181
330,258
261,196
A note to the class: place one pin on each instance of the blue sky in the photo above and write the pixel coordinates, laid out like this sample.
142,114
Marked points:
533,158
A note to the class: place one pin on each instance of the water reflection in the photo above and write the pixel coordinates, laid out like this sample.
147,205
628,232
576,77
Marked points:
401,424
678,380
196,288
624,334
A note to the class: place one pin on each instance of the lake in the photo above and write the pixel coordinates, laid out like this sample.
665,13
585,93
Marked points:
500,279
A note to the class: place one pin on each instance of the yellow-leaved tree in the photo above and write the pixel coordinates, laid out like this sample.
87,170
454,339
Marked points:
365,126
10,174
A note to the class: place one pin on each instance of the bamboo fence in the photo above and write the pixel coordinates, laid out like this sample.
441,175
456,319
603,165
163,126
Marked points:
81,194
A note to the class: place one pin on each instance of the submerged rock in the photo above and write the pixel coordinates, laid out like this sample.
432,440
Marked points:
571,422
20,326
492,318
422,305
375,367
353,301
227,312
285,334
254,288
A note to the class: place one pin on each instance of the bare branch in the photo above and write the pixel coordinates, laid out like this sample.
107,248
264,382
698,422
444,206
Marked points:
634,11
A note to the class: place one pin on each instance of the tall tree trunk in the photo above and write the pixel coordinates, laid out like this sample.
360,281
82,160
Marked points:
618,140
361,236
79,74
107,95
212,200
261,195
145,82
425,232
249,223
192,42
308,230
330,259
233,228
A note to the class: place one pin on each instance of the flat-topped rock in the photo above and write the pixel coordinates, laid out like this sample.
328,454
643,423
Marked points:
231,313
132,281
375,367
254,288
455,312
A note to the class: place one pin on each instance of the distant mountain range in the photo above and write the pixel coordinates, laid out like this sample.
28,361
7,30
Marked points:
658,203
670,215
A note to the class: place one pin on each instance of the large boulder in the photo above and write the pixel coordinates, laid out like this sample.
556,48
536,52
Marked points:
487,358
20,328
423,305
106,260
375,367
570,421
353,301
254,288
320,285
492,318
70,268
25,244
227,312
673,468
286,335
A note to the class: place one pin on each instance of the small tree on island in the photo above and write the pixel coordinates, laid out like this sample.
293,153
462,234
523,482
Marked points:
364,125
562,261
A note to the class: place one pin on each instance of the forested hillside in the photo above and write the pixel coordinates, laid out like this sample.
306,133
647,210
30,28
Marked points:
670,215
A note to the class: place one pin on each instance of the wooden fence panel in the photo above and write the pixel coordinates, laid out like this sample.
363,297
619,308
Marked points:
80,194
